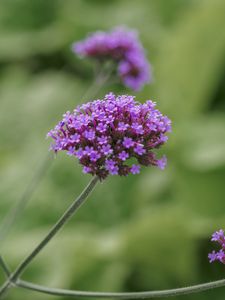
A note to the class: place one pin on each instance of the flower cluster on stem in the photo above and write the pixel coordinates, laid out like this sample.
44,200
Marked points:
113,136
218,237
123,47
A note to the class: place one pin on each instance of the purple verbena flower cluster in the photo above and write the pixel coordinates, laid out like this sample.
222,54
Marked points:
107,135
218,237
124,48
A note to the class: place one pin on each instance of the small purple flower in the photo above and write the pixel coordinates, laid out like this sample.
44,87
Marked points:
101,127
128,142
163,138
109,163
139,149
76,124
123,155
79,153
135,71
92,133
161,163
71,151
88,150
122,46
212,256
84,120
86,170
75,138
111,167
94,156
106,149
218,237
135,169
110,119
122,126
66,117
114,170
221,256
102,140
138,128
89,134
152,126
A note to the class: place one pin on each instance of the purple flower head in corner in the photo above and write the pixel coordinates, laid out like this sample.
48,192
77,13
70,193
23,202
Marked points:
218,237
122,46
129,140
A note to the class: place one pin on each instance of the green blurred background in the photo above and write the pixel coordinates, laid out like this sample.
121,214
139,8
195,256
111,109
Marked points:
150,231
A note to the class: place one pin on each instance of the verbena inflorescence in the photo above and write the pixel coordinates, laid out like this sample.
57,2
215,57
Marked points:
124,48
218,237
113,136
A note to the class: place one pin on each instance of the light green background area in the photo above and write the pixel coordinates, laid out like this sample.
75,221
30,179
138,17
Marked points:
143,232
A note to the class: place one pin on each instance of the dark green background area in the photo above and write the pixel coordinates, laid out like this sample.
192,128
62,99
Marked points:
144,232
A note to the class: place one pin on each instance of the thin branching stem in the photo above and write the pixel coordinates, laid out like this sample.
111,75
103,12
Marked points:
126,295
133,295
4,267
102,77
58,225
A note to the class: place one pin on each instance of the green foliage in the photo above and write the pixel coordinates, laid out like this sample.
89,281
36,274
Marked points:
149,231
194,54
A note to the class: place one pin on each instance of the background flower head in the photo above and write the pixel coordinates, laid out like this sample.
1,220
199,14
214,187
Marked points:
124,48
218,237
108,135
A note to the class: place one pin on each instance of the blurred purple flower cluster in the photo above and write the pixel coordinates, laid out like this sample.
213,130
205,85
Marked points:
218,237
113,136
124,48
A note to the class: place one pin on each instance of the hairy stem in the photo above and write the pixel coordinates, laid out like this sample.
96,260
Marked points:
135,295
58,225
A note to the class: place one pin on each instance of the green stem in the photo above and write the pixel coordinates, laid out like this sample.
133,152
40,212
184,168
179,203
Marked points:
135,295
4,267
132,295
101,78
58,225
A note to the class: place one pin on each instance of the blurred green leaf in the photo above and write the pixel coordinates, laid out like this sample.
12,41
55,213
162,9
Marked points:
203,143
192,60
